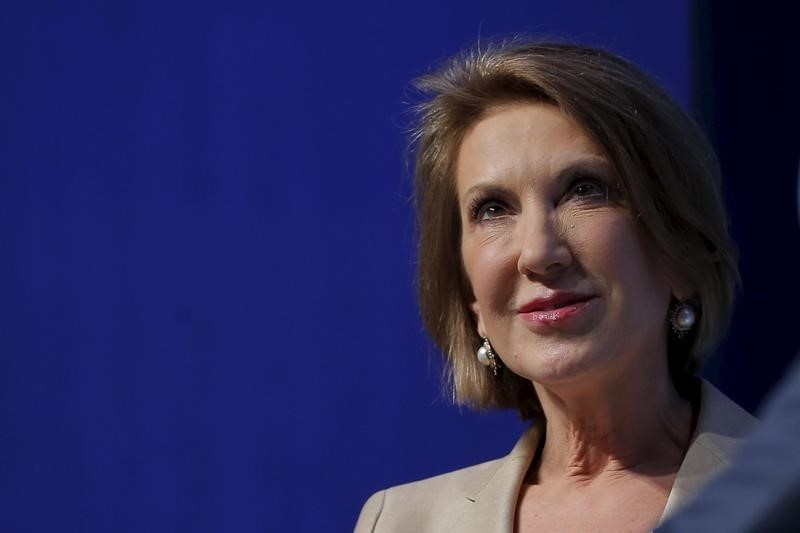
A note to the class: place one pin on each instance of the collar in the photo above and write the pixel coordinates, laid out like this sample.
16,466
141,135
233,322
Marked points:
721,426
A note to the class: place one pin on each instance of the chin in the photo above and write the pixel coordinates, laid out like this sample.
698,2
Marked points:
559,364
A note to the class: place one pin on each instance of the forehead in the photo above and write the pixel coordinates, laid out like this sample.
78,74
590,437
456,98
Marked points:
521,139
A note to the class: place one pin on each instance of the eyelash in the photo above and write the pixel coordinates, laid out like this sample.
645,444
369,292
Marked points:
604,189
480,204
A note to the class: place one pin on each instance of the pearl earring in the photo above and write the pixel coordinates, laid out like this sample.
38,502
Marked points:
683,319
487,357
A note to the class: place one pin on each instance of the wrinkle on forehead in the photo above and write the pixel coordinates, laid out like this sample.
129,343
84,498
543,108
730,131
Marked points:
499,146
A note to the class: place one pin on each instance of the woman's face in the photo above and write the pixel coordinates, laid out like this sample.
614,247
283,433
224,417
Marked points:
562,283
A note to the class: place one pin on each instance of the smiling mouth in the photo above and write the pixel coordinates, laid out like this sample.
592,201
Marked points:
557,312
558,301
560,306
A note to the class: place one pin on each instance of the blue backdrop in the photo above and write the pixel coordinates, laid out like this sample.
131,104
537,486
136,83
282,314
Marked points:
209,318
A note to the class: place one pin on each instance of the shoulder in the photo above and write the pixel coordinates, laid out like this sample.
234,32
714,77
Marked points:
721,425
721,428
421,505
439,502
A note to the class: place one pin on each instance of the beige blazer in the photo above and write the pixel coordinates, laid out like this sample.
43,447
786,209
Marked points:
483,498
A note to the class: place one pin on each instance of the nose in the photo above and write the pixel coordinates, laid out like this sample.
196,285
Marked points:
544,251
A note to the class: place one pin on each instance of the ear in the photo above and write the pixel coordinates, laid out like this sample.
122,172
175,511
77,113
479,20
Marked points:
678,287
682,291
476,311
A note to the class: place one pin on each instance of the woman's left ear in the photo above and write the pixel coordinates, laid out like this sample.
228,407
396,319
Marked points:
679,289
682,293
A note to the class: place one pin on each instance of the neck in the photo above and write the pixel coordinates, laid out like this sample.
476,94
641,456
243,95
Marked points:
631,425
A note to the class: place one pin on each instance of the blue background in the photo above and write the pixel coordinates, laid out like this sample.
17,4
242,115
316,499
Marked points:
208,305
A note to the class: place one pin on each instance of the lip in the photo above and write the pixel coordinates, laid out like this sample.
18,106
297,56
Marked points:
557,309
555,301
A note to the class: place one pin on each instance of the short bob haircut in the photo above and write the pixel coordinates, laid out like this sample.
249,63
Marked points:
667,172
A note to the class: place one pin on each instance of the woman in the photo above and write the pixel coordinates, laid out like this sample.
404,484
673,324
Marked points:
574,265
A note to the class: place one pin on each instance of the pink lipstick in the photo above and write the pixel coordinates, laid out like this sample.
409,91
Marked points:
556,309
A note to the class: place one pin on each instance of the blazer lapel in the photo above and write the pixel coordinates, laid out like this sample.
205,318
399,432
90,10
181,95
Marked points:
721,427
491,506
491,503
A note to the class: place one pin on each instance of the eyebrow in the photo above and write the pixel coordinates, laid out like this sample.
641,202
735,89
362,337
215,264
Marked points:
590,162
593,163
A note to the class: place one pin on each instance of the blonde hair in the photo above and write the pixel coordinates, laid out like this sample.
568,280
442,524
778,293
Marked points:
666,168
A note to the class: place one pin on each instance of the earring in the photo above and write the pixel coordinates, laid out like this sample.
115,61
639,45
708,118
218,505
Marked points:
683,319
487,357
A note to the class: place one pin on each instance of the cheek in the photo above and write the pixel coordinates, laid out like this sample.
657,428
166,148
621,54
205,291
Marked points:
490,269
611,249
643,272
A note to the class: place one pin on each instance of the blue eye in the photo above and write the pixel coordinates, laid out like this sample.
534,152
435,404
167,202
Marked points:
588,188
491,210
488,210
